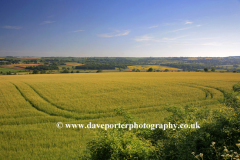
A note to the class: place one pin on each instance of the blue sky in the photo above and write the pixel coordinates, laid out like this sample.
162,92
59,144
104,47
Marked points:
120,28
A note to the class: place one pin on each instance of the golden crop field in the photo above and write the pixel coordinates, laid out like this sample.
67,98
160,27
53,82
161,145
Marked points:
74,64
156,67
192,59
31,105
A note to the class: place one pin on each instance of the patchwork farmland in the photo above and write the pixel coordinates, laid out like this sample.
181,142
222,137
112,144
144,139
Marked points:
18,66
31,105
155,67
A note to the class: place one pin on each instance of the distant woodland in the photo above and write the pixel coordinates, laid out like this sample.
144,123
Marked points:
228,64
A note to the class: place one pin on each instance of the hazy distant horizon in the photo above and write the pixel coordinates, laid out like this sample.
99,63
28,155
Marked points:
136,28
116,57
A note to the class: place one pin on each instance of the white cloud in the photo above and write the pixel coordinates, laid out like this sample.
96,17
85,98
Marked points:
142,45
212,44
144,38
105,35
153,26
147,38
179,29
167,24
117,33
47,22
12,27
78,31
188,22
175,38
198,25
236,43
123,34
201,38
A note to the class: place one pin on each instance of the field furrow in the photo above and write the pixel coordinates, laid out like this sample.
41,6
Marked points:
46,107
40,95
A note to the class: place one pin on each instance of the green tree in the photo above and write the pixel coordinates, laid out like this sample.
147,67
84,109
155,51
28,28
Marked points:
206,69
213,69
150,70
99,71
121,143
65,71
35,71
42,72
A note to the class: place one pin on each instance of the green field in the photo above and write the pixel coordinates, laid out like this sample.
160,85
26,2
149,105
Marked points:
31,105
229,67
4,70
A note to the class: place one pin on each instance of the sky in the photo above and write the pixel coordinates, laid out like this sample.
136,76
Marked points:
120,28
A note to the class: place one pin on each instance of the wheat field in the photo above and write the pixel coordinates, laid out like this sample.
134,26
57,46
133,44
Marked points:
31,105
156,67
